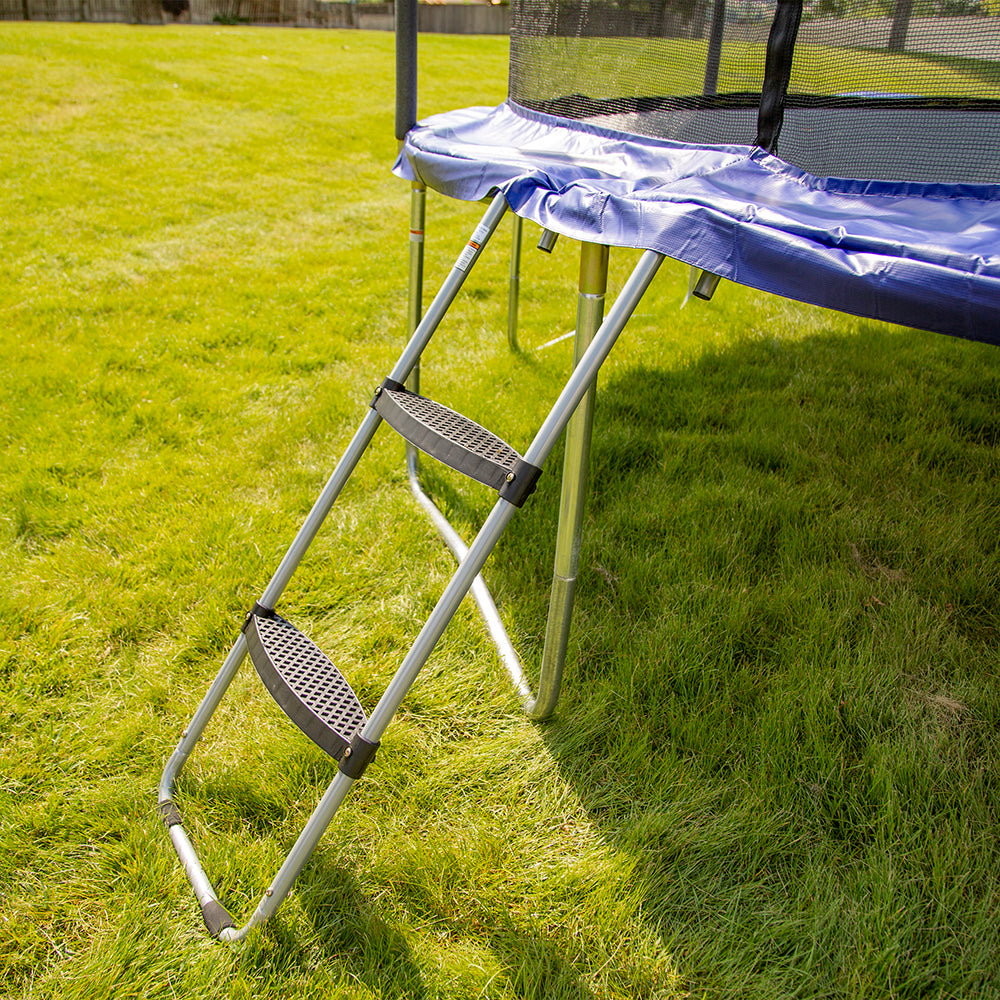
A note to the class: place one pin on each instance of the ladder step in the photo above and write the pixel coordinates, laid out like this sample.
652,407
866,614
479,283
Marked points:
457,441
310,690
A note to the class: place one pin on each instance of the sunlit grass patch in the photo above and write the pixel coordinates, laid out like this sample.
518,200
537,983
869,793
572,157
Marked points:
773,773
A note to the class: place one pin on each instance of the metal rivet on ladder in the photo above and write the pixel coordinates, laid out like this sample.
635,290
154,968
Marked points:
510,477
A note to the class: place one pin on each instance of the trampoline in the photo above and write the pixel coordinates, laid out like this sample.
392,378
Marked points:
812,151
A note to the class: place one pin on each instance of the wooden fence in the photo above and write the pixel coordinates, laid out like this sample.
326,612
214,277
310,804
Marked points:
460,19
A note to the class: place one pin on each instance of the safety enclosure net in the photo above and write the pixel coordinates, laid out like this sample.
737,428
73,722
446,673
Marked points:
902,90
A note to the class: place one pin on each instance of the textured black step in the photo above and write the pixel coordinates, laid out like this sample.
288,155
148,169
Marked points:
311,691
459,442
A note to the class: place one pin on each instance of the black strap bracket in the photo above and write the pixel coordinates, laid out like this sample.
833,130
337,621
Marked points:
387,383
358,756
521,483
258,611
169,813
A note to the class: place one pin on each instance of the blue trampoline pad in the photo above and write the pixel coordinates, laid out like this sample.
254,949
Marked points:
924,255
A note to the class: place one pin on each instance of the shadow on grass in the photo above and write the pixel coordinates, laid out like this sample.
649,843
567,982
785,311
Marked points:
781,700
346,932
349,934
784,660
331,922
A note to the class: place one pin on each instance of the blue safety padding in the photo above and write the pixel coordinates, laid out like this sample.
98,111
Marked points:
923,255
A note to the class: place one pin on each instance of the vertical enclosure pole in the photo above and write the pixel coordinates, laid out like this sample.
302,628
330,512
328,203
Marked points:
589,314
714,56
406,66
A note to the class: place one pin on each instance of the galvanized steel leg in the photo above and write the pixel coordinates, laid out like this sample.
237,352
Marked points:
590,312
514,292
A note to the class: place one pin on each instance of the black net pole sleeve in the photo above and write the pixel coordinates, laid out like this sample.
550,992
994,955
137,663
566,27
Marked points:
715,36
406,66
777,72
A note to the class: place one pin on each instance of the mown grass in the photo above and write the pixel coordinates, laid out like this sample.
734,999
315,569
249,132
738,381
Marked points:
774,770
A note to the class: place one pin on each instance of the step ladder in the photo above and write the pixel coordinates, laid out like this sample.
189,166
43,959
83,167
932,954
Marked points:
303,681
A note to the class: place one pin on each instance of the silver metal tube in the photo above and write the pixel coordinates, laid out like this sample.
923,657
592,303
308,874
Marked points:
514,292
439,618
362,438
590,312
706,285
586,371
480,592
547,241
418,215
415,285
557,626
203,890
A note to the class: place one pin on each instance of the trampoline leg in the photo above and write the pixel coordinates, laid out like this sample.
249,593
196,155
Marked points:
514,293
590,312
418,205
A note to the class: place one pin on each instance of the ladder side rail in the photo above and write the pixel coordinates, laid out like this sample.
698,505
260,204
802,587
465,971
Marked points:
400,372
345,466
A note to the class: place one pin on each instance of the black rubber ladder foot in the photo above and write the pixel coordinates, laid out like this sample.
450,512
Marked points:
217,918
457,441
308,688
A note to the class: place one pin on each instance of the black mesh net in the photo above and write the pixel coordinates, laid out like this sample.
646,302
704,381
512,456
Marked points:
881,89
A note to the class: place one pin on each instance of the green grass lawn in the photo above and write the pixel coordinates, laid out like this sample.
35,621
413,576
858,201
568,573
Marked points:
774,770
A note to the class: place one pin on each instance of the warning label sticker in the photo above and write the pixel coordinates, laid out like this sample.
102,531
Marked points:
472,248
468,255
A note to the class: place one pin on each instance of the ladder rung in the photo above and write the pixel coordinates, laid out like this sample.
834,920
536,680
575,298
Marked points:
457,441
310,690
